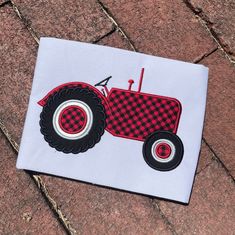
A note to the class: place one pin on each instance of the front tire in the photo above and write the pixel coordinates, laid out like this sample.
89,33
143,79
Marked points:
163,151
73,120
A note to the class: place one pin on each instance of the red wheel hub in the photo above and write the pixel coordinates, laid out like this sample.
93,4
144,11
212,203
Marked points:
72,119
163,150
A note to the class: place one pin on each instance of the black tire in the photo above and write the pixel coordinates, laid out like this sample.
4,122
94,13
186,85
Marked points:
90,139
176,157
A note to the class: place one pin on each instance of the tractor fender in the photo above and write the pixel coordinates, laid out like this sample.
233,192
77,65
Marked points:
44,100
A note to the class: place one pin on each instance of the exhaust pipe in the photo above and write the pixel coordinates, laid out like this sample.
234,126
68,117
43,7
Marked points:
141,79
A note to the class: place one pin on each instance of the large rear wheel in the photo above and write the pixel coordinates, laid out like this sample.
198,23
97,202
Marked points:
73,120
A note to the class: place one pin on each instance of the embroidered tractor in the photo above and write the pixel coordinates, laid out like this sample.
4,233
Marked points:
75,115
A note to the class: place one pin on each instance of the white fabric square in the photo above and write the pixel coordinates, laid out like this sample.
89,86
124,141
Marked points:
115,161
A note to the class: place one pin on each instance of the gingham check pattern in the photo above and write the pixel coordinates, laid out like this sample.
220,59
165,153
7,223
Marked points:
136,115
72,120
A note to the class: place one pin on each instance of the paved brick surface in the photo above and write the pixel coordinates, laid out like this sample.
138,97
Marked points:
97,210
71,19
115,40
220,16
22,207
18,49
205,158
220,114
212,206
162,28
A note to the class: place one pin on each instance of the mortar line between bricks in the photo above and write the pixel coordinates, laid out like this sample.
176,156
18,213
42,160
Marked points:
205,55
207,165
205,23
110,16
215,157
105,35
42,187
34,33
218,159
20,15
168,223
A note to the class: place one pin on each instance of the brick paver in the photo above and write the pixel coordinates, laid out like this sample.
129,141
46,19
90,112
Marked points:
22,207
119,212
71,19
212,206
16,70
162,28
115,40
97,210
219,16
220,114
205,158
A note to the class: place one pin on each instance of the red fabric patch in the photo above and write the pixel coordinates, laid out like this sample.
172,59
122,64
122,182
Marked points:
72,119
137,115
163,150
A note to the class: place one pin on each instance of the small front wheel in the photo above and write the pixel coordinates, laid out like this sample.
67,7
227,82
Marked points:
163,150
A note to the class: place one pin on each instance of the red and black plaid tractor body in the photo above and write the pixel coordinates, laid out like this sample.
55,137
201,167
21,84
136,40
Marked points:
75,115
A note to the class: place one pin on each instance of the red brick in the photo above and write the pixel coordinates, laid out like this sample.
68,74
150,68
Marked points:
71,19
211,209
97,210
205,158
18,50
22,208
220,18
115,40
162,28
220,114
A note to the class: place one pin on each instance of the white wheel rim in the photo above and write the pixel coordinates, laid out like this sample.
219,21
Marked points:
84,131
156,144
